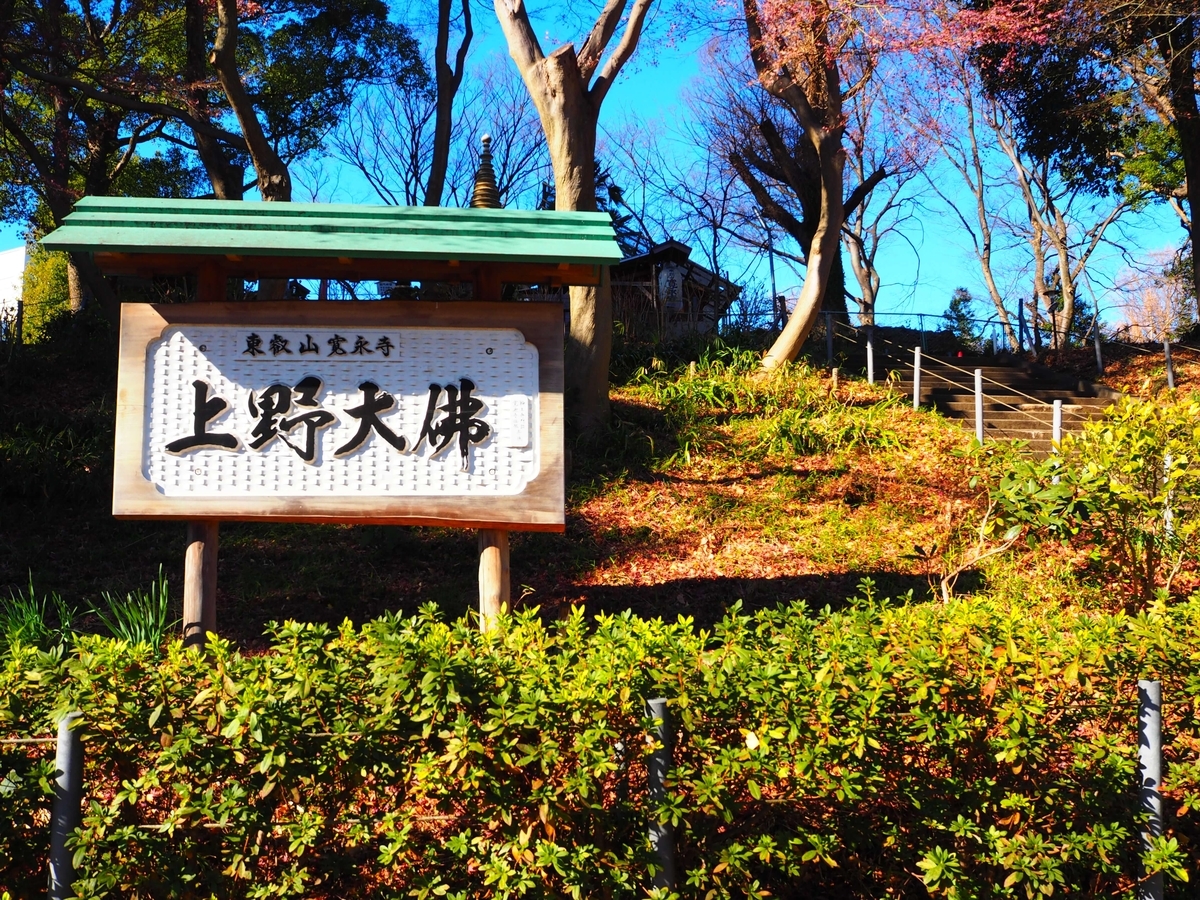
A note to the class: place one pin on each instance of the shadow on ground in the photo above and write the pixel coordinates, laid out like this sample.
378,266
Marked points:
706,600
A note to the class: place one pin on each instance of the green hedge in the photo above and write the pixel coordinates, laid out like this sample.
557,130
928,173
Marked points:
885,751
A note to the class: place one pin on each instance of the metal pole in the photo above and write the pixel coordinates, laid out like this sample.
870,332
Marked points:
1096,343
1021,326
979,405
68,797
870,354
1056,431
662,834
921,323
916,377
1150,774
1170,367
828,338
771,266
1168,514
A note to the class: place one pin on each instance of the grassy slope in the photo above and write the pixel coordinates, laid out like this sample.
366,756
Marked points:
1137,371
712,487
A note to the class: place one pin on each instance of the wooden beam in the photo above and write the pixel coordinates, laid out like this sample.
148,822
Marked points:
211,282
494,576
200,582
253,268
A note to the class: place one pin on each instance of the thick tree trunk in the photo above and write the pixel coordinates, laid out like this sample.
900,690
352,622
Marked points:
86,285
569,108
826,250
77,294
569,122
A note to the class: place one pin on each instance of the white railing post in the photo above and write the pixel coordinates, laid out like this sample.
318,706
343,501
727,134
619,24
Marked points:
916,377
1170,367
979,405
1056,430
1096,344
870,354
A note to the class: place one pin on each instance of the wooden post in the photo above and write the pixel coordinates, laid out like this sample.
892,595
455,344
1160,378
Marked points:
200,558
494,590
200,582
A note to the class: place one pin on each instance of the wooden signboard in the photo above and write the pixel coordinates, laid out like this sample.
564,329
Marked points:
407,413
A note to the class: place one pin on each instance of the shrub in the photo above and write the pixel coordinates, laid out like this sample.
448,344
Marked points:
45,291
1128,487
956,750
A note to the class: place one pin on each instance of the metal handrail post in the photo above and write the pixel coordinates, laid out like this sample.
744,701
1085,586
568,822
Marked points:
66,814
979,405
658,768
1056,430
916,377
870,354
1150,775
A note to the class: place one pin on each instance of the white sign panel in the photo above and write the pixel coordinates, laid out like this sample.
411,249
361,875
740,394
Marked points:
344,412
347,419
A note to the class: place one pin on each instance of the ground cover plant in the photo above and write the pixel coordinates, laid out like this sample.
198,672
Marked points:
889,749
710,487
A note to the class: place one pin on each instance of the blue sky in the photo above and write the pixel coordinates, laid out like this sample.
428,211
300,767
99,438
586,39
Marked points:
919,272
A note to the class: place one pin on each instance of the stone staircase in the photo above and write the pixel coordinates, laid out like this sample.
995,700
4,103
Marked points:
1018,397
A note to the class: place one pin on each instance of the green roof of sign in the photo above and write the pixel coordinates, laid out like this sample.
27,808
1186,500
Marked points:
137,225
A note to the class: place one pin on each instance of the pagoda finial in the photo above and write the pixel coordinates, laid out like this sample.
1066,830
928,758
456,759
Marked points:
486,195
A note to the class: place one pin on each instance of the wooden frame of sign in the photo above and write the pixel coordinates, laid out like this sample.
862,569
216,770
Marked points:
538,505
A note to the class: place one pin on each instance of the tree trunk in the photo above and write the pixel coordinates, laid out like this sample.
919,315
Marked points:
448,81
1177,45
826,249
226,176
569,122
86,284
76,289
568,108
274,181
